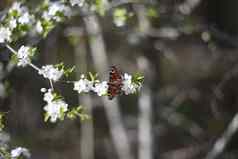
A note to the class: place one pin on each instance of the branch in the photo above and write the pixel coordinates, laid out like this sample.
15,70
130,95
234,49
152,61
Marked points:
222,142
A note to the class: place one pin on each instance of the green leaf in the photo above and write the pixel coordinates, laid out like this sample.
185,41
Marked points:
33,51
92,76
138,78
46,117
69,71
57,96
14,59
77,112
62,114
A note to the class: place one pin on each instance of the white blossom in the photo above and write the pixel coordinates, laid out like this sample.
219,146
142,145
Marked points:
83,85
54,108
17,152
101,88
12,24
25,18
47,16
23,56
50,72
48,96
128,86
77,2
39,28
16,6
55,7
5,34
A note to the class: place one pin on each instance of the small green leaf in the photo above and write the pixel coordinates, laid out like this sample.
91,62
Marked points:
57,96
77,112
92,76
138,78
46,117
14,59
69,71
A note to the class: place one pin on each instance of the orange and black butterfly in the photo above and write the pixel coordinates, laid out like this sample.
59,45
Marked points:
115,82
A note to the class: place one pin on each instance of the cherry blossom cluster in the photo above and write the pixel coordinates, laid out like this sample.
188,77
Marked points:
130,84
56,108
20,20
85,85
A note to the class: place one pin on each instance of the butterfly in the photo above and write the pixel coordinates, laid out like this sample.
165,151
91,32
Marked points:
115,82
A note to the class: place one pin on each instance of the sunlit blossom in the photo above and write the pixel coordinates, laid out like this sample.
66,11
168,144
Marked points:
23,56
83,85
5,34
55,108
26,18
50,72
39,28
12,23
101,88
128,86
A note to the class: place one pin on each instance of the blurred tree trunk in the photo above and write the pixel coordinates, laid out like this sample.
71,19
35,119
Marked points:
98,51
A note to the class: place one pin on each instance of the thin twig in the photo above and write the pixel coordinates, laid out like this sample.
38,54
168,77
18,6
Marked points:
51,85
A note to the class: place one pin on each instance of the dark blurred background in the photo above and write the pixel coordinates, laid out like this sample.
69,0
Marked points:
186,109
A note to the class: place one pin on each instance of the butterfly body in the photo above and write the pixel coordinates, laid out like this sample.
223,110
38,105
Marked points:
115,82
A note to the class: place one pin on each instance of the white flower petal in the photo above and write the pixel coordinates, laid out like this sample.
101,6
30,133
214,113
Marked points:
50,72
128,86
83,85
101,88
5,35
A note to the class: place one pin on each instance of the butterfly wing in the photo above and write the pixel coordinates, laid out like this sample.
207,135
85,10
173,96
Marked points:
115,82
